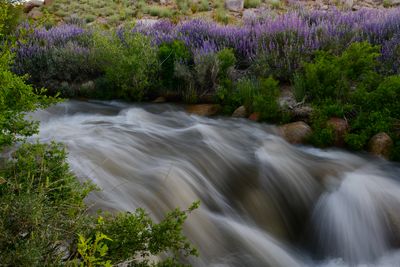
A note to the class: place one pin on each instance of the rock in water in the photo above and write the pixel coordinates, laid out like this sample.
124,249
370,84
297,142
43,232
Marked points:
160,99
240,112
340,128
381,145
203,109
255,116
295,132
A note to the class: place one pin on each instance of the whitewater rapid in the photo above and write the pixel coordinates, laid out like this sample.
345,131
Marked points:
264,202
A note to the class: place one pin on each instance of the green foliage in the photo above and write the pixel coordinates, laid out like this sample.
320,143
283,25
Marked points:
227,60
266,102
221,15
93,251
204,5
256,95
332,77
43,217
252,3
158,11
9,17
183,5
141,236
386,97
42,206
168,55
128,61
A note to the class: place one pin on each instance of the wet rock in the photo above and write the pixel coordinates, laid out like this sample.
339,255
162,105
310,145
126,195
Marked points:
302,112
234,5
240,112
28,6
255,116
340,128
380,145
160,99
295,132
203,109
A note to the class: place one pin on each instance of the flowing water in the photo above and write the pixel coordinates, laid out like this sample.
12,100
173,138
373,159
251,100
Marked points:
263,202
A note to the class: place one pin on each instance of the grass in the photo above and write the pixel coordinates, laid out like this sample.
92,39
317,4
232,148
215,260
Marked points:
252,3
115,12
158,11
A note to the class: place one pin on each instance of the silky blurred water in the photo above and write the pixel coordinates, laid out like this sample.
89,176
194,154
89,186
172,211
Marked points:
263,202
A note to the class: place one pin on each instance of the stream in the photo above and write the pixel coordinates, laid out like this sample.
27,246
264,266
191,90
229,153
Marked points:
264,202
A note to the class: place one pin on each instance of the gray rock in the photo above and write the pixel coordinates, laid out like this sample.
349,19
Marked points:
28,6
203,109
35,13
380,145
295,132
160,99
234,5
240,112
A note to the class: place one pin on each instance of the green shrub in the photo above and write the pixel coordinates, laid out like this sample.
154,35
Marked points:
332,77
158,11
227,60
168,55
10,16
266,101
90,18
128,61
256,95
205,72
251,3
183,5
204,5
386,96
221,15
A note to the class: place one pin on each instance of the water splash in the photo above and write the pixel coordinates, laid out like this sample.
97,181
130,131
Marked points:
264,202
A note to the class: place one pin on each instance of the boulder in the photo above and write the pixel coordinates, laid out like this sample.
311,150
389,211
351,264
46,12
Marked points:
28,6
48,2
302,112
340,128
255,116
249,15
240,112
160,99
234,5
35,13
295,132
380,145
203,109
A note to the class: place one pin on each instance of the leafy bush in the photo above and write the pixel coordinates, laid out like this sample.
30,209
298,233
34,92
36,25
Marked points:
227,61
56,54
204,6
221,15
251,3
158,11
183,5
43,217
128,61
256,95
168,55
332,77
